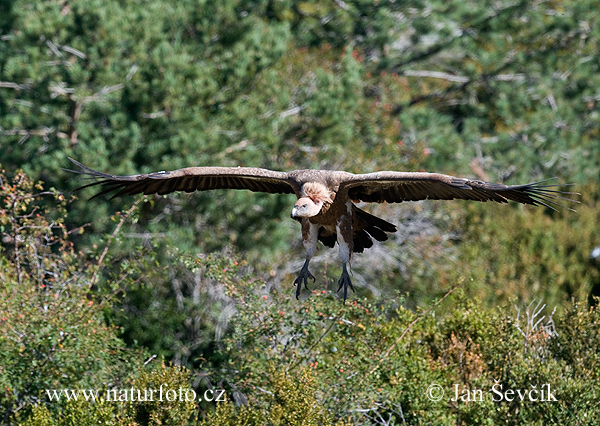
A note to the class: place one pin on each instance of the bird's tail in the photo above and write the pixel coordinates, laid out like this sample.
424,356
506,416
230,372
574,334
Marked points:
375,221
366,227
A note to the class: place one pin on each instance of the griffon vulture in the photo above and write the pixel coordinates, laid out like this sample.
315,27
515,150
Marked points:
326,198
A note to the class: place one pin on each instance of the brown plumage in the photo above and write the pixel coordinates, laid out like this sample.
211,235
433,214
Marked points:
325,205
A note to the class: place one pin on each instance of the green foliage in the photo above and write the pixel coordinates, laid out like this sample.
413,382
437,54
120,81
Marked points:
74,413
292,401
378,361
503,91
83,412
166,412
317,361
131,88
528,254
53,328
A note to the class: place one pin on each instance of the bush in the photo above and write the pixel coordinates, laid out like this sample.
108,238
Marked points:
375,361
54,333
291,401
529,253
82,412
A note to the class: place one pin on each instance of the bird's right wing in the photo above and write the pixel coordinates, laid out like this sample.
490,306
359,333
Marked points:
192,179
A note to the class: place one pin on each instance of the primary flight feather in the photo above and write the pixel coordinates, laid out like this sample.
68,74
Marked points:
325,206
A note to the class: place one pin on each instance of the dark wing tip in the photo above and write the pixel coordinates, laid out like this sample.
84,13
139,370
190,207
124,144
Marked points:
108,182
87,171
84,169
548,195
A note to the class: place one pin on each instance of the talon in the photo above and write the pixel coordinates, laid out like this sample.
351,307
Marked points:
345,282
308,275
303,277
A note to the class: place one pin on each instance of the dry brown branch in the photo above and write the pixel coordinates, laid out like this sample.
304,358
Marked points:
110,239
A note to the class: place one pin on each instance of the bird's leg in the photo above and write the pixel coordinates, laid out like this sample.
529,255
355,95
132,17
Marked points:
310,233
345,281
345,241
304,276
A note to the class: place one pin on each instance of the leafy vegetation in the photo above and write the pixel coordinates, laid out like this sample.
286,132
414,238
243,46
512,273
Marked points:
95,294
314,362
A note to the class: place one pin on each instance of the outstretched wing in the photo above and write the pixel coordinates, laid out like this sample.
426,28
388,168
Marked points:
395,187
192,179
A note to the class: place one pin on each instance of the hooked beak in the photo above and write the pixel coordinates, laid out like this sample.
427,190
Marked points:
294,211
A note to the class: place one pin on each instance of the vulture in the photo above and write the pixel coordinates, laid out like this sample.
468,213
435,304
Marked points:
326,206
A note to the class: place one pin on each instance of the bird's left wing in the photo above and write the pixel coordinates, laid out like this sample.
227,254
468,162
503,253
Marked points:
396,187
192,179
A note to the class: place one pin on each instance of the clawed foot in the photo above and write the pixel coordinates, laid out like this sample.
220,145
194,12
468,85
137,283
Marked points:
304,276
345,281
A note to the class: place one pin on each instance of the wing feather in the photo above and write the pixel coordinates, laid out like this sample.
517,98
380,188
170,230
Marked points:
191,179
396,187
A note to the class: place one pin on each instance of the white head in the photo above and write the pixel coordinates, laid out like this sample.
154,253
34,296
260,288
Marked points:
305,207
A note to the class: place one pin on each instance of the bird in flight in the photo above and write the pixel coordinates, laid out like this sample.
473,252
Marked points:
326,206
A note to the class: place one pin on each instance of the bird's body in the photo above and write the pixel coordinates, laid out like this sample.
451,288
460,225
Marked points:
326,199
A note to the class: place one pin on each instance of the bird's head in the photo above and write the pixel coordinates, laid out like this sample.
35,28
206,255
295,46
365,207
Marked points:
305,207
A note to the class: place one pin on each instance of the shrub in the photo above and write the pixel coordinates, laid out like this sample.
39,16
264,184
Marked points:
53,332
375,362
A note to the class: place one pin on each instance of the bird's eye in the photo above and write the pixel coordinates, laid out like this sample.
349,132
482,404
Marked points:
304,206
